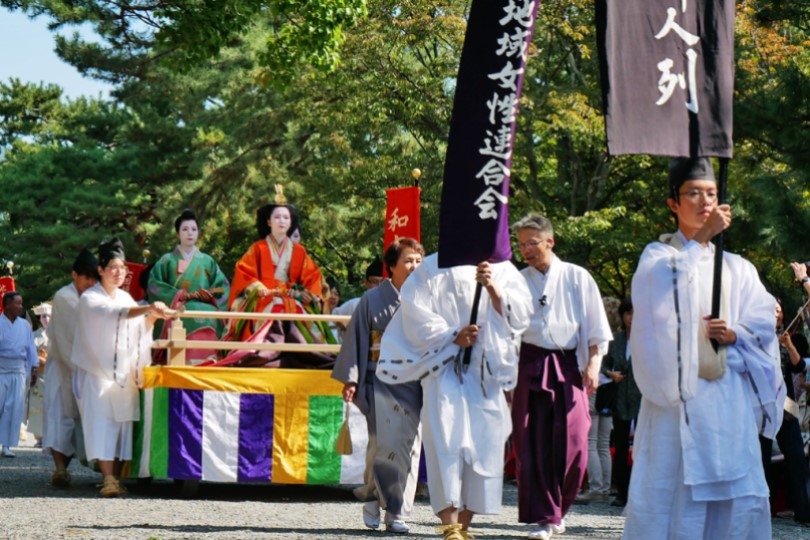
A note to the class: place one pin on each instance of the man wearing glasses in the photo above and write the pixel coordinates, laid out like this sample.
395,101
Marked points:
697,470
560,357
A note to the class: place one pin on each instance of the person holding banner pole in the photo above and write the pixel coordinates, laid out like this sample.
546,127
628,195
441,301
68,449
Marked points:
560,359
465,416
697,470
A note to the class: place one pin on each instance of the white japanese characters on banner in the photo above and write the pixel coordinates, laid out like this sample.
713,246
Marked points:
670,81
475,190
513,47
667,76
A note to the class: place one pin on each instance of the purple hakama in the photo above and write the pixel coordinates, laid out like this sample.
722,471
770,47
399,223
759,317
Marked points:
550,433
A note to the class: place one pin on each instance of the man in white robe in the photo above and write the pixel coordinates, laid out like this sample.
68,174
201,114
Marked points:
697,471
35,395
465,417
18,360
560,357
62,432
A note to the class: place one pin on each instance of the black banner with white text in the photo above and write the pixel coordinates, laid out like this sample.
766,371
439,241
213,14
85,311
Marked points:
474,219
667,70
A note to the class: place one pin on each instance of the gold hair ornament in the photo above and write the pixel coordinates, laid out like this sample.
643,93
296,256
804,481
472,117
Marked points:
280,198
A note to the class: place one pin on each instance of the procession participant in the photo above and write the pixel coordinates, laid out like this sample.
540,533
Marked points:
465,417
697,469
18,363
789,435
277,275
62,433
110,348
628,401
560,358
187,276
373,277
392,411
35,403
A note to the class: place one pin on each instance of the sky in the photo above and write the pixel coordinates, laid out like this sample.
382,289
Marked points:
28,54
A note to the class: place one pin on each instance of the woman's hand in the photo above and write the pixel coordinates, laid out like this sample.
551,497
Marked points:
785,341
615,376
159,310
202,295
264,292
349,389
799,271
305,297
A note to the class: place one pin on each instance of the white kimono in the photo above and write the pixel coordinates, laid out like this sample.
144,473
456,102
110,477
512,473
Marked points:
17,357
569,313
61,428
465,417
697,470
109,352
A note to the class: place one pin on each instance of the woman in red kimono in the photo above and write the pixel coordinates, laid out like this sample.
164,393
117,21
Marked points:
277,275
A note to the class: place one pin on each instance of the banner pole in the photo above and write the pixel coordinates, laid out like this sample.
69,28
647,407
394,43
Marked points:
718,248
473,320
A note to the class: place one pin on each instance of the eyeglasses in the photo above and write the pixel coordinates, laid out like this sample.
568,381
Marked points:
530,243
694,194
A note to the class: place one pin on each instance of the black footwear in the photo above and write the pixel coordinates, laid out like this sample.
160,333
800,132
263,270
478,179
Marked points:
618,502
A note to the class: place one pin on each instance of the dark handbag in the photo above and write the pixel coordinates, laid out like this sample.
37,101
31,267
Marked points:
606,398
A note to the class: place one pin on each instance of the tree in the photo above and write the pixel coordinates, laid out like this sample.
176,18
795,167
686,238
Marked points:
137,33
73,173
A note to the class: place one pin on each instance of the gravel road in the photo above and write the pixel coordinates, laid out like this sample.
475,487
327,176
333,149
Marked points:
31,509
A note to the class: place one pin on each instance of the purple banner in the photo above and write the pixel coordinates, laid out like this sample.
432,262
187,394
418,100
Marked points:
255,437
185,434
474,218
667,71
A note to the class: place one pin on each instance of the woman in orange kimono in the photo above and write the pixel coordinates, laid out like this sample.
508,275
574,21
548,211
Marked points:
277,275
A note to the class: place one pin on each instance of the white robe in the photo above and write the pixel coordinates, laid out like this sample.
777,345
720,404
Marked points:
109,352
571,314
465,417
61,428
697,469
18,357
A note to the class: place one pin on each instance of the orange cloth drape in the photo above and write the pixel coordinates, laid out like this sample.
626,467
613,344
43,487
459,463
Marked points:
257,266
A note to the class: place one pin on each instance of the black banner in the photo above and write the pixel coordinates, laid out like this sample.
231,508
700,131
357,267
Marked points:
667,69
474,219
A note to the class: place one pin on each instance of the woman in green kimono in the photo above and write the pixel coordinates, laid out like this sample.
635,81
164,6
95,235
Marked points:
187,276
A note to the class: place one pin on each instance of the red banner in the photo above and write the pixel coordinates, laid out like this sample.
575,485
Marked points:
133,284
402,215
6,285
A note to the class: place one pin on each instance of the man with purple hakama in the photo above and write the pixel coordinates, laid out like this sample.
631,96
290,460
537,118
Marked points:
560,357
